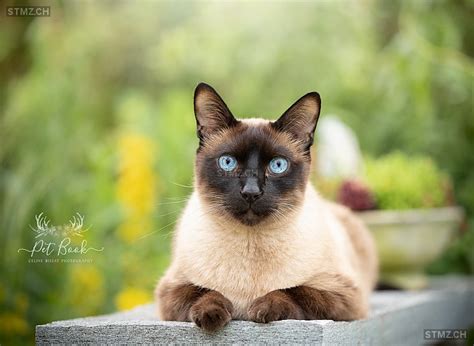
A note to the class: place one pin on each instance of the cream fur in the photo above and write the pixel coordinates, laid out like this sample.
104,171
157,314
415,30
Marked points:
318,244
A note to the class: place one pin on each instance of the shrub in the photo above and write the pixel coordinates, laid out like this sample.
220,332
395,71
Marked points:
402,182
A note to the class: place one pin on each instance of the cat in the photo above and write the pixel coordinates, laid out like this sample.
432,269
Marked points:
255,241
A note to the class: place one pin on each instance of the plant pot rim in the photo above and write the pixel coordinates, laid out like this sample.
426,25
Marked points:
413,216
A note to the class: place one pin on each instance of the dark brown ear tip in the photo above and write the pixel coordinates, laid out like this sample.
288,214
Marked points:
201,87
314,95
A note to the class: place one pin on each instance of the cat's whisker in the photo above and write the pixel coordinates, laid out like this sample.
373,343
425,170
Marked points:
169,213
172,202
176,198
181,185
158,230
211,210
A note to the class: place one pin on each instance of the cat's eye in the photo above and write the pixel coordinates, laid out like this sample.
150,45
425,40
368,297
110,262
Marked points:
227,163
278,165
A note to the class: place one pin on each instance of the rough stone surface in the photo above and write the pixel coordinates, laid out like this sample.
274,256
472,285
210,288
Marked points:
397,317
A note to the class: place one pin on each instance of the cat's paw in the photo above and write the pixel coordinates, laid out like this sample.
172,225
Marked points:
274,306
211,312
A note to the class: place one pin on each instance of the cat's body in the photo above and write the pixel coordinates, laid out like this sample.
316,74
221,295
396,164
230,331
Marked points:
303,258
247,263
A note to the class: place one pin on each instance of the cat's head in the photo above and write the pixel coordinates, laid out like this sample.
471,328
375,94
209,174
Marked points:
253,169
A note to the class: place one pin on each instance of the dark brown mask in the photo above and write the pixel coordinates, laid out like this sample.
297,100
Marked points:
253,169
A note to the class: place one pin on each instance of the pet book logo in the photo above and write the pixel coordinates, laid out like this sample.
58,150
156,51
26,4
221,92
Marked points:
61,243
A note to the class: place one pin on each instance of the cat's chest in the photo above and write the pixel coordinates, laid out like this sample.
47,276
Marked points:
245,267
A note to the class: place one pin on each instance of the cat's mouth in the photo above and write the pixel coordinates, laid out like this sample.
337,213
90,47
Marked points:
250,216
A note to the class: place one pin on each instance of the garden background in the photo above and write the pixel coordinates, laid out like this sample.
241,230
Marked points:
96,117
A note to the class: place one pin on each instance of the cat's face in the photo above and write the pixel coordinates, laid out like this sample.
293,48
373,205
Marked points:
253,170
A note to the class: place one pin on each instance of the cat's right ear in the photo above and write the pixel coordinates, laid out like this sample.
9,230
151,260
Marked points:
212,114
301,118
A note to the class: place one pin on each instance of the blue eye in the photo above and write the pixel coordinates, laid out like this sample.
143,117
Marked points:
278,165
227,163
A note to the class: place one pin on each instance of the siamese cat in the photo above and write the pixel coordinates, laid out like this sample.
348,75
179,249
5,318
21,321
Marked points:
255,241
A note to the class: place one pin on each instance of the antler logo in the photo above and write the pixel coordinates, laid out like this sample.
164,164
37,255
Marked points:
73,228
44,230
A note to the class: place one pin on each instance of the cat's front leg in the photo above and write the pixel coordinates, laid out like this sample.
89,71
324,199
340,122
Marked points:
274,306
337,305
306,303
209,309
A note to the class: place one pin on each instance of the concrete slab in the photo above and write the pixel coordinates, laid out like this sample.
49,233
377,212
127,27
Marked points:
397,317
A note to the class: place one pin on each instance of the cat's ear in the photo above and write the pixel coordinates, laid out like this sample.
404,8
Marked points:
212,114
301,118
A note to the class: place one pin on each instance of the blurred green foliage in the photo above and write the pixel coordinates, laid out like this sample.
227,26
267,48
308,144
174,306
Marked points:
458,258
402,182
81,89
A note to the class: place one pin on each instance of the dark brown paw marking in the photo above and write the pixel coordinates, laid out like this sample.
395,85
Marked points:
274,306
211,312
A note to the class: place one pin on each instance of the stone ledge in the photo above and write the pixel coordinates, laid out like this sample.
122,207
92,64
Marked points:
397,317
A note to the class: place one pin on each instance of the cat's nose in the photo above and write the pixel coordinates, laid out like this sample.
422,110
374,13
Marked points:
251,192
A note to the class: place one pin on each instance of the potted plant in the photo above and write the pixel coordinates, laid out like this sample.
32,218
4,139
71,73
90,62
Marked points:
407,204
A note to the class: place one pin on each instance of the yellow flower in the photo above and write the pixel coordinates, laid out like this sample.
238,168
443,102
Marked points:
12,324
136,186
87,276
131,297
130,228
86,288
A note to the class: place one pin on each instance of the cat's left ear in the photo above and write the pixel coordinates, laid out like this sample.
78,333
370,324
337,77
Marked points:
301,118
212,114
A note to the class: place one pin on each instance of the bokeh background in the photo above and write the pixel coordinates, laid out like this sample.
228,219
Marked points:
96,117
